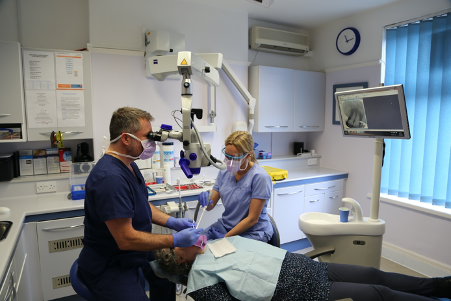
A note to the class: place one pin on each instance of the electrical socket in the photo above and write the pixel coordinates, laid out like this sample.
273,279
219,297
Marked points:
44,187
312,161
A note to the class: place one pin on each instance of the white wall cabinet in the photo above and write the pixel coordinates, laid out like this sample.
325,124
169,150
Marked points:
12,110
287,100
309,97
274,90
288,206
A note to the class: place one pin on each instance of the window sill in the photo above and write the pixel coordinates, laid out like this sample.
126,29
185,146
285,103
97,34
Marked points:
415,205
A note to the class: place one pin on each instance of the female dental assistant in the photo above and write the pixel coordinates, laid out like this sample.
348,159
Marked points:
245,189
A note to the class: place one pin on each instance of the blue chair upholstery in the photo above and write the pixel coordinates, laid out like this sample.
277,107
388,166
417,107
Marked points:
275,239
79,285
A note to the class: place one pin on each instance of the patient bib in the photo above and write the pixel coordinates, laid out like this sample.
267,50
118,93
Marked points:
250,273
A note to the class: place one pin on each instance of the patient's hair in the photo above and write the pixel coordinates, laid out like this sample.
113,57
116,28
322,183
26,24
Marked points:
168,262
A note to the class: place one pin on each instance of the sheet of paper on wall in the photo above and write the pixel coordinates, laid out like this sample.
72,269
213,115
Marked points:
70,106
69,71
39,70
41,108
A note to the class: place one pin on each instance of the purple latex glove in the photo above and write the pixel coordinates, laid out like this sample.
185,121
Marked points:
179,224
204,199
214,233
187,237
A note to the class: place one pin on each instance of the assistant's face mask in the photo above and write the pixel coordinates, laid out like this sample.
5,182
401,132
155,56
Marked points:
201,242
234,163
149,147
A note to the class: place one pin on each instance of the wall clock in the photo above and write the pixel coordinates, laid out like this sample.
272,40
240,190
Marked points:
348,40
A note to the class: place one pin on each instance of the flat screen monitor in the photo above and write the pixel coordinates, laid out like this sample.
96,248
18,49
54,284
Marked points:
374,113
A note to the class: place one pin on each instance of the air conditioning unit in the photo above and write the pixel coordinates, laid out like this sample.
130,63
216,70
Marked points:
278,41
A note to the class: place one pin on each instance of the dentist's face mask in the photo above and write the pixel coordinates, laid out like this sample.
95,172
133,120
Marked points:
148,145
233,163
201,242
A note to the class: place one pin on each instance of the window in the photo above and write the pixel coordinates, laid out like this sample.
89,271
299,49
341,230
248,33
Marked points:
418,55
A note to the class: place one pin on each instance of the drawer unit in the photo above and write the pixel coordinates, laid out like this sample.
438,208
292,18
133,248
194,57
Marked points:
314,203
323,187
333,201
59,244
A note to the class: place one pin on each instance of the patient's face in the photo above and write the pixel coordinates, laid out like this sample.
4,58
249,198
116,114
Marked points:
188,254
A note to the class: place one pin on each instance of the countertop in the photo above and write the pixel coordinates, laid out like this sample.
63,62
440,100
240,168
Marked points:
23,206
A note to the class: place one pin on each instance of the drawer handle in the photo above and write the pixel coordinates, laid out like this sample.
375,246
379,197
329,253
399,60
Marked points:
5,115
276,126
289,193
62,228
333,197
314,201
324,188
309,126
71,132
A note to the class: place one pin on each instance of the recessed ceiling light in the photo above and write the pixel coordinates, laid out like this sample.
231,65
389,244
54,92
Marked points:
265,3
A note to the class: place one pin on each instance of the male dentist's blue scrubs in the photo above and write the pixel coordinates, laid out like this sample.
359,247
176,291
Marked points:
112,191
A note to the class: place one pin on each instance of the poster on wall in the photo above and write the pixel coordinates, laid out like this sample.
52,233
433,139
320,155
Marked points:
39,70
40,98
69,71
70,108
41,108
54,92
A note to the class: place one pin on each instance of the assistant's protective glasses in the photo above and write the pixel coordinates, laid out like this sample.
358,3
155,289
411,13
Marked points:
232,157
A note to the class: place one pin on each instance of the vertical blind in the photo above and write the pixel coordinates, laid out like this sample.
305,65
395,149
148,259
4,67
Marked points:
418,55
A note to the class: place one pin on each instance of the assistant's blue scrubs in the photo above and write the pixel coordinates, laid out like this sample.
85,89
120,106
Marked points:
113,191
236,197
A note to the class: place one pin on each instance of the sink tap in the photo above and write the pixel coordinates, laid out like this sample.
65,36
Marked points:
357,208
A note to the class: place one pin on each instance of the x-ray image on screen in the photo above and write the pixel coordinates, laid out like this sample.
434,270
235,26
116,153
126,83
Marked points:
378,112
353,112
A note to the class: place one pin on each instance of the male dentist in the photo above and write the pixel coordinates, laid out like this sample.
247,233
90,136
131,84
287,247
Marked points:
118,218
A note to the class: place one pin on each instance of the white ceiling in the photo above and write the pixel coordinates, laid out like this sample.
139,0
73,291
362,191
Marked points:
302,14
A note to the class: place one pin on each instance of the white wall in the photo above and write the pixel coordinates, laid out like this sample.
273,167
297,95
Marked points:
9,30
421,233
370,25
118,24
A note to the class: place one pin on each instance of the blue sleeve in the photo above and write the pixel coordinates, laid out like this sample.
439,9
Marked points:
218,181
112,197
261,186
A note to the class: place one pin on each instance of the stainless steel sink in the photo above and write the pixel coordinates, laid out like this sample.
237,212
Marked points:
4,229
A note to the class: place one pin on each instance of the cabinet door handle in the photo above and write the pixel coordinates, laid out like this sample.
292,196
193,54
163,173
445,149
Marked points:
290,193
333,197
324,188
276,126
71,133
314,201
309,126
62,228
5,115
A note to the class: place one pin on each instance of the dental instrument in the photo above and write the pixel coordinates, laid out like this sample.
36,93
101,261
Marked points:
200,218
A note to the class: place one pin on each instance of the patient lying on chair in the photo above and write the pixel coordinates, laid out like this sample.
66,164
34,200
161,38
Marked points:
253,270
